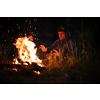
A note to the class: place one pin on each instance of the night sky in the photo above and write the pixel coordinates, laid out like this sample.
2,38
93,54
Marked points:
44,29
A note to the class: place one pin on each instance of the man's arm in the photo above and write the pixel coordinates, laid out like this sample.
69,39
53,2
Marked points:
48,49
53,46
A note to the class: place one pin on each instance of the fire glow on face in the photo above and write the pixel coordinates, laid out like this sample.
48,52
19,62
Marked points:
27,51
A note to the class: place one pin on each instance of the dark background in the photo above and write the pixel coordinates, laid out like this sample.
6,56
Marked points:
46,28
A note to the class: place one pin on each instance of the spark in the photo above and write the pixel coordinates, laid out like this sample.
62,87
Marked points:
35,28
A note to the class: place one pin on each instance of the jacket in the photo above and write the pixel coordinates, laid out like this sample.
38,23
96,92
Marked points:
66,45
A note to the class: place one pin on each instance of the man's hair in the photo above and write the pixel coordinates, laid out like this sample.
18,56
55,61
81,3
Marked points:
63,29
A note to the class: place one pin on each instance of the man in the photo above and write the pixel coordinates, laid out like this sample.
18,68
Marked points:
64,43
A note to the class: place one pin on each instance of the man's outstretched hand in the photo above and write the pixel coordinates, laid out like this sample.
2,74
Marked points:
56,52
43,48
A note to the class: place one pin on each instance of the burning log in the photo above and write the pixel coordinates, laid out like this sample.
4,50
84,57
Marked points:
33,66
38,68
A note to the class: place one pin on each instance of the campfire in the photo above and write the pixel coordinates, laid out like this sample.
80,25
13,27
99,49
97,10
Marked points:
27,53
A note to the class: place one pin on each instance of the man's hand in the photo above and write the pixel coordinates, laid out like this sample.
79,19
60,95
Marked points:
56,53
43,48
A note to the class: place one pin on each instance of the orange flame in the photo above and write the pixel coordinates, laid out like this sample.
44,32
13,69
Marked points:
27,51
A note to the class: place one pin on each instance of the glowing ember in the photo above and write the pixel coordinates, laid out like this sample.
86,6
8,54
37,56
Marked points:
37,72
27,51
15,69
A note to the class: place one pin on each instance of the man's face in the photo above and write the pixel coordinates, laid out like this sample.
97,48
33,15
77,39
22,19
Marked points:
61,35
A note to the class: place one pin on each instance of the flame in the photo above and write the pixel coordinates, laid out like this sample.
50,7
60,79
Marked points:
27,51
16,61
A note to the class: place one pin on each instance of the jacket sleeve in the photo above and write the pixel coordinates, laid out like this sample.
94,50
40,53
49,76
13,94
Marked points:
53,46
